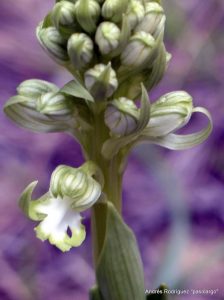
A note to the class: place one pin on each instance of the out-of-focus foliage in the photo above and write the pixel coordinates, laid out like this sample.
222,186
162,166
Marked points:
173,201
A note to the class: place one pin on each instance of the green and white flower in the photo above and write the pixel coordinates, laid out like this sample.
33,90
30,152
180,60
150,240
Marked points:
101,81
63,14
114,9
135,13
80,50
71,192
153,21
107,37
87,14
40,107
170,113
53,43
139,50
121,116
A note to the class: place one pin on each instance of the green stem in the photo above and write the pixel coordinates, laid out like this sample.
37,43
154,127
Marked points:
113,179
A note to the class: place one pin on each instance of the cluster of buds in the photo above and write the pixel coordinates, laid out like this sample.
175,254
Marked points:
107,43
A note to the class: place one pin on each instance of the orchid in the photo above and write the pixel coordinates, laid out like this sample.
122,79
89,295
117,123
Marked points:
71,192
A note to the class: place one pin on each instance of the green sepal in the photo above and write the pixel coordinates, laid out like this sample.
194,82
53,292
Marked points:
95,294
112,146
160,295
119,269
28,206
76,89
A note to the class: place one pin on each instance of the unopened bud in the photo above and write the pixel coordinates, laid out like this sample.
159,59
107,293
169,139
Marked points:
63,14
54,44
114,9
139,50
34,88
87,13
154,19
80,50
171,112
54,104
101,81
121,116
107,37
135,13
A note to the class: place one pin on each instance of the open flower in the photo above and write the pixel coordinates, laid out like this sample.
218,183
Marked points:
170,113
71,192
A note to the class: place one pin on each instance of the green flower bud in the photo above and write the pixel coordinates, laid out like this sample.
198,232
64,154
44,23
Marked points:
53,43
34,88
121,116
38,107
71,192
135,13
107,37
63,14
87,13
139,50
80,50
114,9
171,112
55,105
101,81
154,19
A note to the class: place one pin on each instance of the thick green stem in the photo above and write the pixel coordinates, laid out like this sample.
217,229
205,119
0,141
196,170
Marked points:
113,180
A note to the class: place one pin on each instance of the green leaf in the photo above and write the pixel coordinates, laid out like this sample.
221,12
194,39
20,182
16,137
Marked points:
95,294
112,146
119,269
76,89
160,295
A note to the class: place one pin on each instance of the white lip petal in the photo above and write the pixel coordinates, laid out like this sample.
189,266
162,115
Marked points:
60,217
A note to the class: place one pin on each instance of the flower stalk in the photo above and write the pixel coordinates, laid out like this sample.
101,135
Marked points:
115,53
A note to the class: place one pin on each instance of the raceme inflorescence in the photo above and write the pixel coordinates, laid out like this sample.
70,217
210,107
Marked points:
115,53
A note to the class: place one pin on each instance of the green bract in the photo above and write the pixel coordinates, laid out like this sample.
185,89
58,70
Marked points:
71,192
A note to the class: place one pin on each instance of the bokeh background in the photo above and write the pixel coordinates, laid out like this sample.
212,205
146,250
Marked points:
172,200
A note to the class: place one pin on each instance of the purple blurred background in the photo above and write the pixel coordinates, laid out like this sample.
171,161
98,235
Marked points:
172,200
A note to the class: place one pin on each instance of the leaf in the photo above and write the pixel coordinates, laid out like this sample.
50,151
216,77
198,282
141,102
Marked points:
76,89
112,146
160,295
119,269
